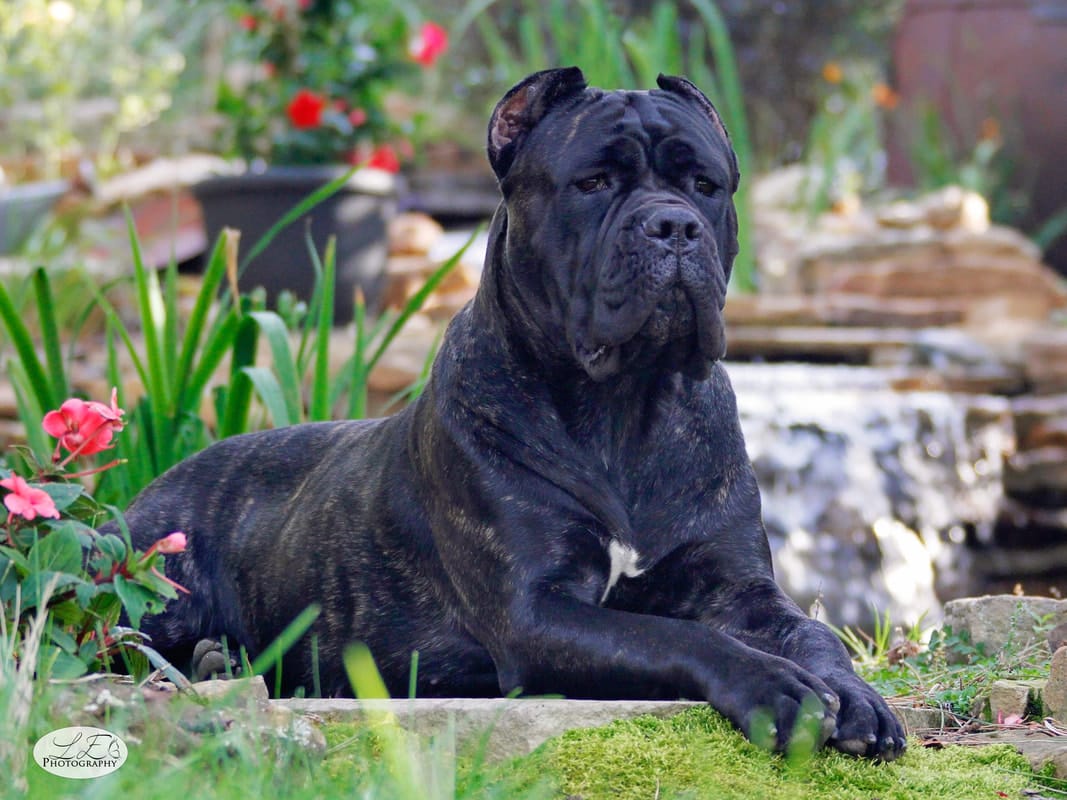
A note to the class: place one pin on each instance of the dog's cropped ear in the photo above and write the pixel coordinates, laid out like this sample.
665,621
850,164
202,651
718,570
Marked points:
523,107
686,88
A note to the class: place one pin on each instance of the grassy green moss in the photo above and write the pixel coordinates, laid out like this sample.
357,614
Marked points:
697,754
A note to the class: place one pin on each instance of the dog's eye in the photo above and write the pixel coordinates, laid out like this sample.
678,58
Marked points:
704,185
596,183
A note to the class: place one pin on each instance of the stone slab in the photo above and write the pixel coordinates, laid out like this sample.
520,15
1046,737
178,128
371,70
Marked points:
515,727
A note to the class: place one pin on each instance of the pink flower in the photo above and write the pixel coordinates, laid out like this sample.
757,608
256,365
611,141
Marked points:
27,501
170,544
430,43
84,428
384,158
248,22
357,116
305,109
112,413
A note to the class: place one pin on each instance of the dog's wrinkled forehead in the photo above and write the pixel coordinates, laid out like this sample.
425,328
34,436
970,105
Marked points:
604,126
554,113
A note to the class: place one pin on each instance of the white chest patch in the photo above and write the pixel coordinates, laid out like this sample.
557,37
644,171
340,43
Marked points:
623,562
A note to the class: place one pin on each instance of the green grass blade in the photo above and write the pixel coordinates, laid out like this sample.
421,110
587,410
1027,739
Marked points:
495,46
273,652
319,404
152,310
532,41
297,211
194,328
416,301
234,418
218,344
273,328
31,412
36,377
170,329
271,393
357,397
53,350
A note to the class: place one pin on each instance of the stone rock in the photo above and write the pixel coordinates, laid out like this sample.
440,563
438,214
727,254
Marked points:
1045,356
867,492
238,691
516,727
1000,621
1056,687
922,719
413,233
1038,476
1009,698
285,725
1040,421
1057,637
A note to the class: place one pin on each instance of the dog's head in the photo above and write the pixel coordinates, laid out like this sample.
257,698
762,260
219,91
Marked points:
620,224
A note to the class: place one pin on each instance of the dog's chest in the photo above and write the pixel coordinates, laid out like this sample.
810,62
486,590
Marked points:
625,562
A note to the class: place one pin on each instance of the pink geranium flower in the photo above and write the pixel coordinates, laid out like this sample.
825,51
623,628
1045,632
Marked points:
430,43
84,427
27,501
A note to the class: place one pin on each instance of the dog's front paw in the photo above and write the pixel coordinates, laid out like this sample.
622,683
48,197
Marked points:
865,724
781,703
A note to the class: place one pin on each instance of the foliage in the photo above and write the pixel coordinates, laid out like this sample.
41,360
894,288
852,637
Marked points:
949,672
57,563
311,80
186,399
625,55
53,108
845,141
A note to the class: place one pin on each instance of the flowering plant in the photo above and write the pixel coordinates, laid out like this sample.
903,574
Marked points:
312,77
56,565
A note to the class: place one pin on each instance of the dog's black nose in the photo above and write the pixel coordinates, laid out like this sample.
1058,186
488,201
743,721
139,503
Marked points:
679,227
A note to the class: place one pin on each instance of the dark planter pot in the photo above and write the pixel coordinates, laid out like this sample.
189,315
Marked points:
22,207
357,215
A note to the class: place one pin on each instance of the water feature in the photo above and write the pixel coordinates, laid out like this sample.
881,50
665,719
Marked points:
871,496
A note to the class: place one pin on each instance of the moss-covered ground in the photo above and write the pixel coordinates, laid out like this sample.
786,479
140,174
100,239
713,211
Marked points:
697,754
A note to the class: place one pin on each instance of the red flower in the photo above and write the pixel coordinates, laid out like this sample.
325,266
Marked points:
248,22
26,501
384,158
430,43
84,428
305,109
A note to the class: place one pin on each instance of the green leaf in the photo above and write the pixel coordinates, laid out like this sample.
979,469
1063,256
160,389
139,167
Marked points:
112,546
55,664
59,551
85,591
50,334
273,328
270,392
35,583
137,599
63,494
20,337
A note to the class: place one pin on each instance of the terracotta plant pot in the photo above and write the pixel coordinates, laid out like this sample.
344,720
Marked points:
357,216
